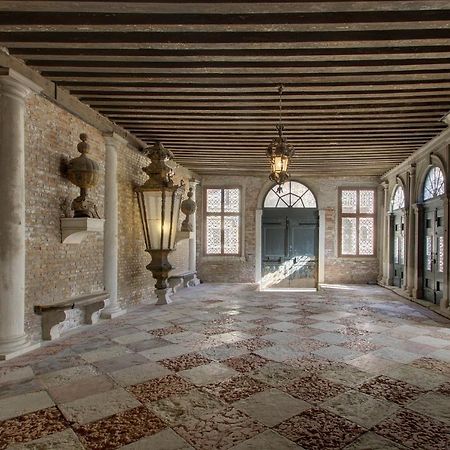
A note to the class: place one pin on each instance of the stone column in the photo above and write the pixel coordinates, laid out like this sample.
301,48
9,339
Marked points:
111,239
13,90
417,291
410,231
193,183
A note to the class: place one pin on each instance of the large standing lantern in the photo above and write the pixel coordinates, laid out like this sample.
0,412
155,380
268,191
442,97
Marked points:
159,204
279,152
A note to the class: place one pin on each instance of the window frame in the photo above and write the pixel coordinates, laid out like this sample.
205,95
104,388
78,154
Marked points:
221,214
357,215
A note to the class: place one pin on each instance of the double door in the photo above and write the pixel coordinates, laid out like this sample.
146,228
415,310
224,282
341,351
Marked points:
398,248
434,263
290,247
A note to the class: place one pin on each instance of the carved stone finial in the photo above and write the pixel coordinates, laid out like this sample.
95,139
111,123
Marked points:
84,173
188,207
159,172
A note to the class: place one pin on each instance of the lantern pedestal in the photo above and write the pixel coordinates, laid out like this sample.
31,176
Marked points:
75,229
160,268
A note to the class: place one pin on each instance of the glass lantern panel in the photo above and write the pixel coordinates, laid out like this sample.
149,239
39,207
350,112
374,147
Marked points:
366,202
231,200
213,200
366,236
434,184
231,235
152,203
348,236
348,201
213,235
176,200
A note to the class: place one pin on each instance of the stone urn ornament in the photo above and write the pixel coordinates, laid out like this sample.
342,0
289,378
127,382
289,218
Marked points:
84,173
188,207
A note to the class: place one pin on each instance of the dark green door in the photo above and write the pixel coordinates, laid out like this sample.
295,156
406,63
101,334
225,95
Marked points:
289,247
434,263
398,257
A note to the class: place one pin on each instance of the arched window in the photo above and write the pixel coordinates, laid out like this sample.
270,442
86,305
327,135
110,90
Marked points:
294,195
434,184
398,201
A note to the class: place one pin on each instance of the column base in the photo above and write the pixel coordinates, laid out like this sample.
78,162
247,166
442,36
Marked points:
111,313
9,350
164,296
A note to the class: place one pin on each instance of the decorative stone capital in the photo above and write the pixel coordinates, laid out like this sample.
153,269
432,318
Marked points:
15,85
114,140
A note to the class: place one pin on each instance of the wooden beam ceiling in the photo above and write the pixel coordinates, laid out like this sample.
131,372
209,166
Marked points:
366,83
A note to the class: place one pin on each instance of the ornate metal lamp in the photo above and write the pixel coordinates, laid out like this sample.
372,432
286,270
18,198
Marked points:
279,152
159,204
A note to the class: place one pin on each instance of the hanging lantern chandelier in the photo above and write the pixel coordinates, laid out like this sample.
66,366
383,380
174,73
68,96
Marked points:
279,151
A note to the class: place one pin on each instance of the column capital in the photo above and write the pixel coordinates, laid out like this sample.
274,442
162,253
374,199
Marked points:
114,139
14,83
193,182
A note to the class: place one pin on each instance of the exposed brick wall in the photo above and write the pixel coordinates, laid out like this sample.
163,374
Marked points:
242,269
56,271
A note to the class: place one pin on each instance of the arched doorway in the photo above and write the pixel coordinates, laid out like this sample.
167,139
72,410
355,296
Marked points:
290,231
433,235
398,236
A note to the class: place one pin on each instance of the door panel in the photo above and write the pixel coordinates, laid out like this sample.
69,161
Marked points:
290,239
433,263
398,257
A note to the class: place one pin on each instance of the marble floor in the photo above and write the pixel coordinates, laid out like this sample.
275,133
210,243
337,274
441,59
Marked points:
227,367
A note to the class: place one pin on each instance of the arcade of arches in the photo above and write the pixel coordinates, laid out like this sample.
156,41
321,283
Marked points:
313,318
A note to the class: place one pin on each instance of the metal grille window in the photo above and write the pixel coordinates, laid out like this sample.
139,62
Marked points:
223,221
357,222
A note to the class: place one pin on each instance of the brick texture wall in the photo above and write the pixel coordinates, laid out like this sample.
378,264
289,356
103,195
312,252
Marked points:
242,269
54,271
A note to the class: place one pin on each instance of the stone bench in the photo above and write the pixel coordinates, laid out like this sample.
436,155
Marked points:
183,280
61,317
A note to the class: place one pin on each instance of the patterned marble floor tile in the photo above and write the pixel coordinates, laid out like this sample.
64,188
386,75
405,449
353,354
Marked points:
252,344
395,354
415,431
62,440
313,389
284,326
279,353
337,353
246,363
147,344
131,338
281,337
121,362
276,374
25,403
98,406
215,329
444,389
441,354
392,390
167,330
185,362
31,426
232,337
435,365
104,353
432,341
208,374
22,387
332,338
235,388
15,374
78,389
166,439
422,378
346,375
165,352
219,430
433,404
309,364
62,360
318,429
372,441
263,321
139,374
222,352
119,429
360,408
306,331
177,409
271,406
159,388
361,345
268,440
68,375
373,364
